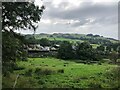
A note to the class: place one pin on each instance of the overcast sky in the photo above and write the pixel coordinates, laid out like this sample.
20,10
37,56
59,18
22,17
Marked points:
79,16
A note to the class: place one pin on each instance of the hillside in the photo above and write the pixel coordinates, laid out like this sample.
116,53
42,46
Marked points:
93,39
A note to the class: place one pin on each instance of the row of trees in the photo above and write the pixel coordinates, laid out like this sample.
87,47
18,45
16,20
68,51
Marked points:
43,41
110,47
82,51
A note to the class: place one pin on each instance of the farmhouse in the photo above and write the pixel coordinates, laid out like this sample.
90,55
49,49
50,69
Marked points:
36,50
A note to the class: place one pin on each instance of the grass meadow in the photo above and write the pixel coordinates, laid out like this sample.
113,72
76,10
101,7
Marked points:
57,73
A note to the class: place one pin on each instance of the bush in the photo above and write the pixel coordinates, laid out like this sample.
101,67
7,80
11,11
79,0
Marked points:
115,73
113,76
65,50
38,71
64,65
28,72
95,85
61,71
19,68
47,72
99,63
41,82
53,66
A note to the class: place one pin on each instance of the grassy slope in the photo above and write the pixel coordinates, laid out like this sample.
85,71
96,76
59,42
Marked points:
38,36
65,39
75,74
59,37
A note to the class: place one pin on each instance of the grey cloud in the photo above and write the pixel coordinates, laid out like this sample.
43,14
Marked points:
81,23
101,12
105,16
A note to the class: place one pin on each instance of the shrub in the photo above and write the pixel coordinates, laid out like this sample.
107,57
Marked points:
53,66
19,68
41,81
61,71
113,76
95,85
28,72
47,72
45,65
71,68
38,71
99,63
64,65
113,73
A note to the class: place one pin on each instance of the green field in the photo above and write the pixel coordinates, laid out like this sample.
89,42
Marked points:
66,39
54,73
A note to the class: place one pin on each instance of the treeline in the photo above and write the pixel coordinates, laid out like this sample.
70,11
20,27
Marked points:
84,51
81,51
43,41
93,39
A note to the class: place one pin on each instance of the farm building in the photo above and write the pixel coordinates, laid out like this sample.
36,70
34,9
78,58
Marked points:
36,50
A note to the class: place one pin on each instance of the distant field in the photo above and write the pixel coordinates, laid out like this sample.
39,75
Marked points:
62,39
66,39
53,73
95,45
70,40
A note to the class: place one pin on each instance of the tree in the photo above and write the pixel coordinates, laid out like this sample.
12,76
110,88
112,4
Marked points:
65,50
89,35
114,56
44,42
84,51
31,40
108,48
16,15
101,48
119,52
13,50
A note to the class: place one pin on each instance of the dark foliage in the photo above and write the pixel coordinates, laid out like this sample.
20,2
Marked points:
16,15
65,51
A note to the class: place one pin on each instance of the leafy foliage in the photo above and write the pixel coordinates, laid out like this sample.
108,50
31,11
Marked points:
84,51
12,50
65,51
16,15
81,51
44,42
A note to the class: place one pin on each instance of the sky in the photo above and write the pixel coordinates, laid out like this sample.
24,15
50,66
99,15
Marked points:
79,16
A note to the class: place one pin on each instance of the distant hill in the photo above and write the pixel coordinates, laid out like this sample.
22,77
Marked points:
93,39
